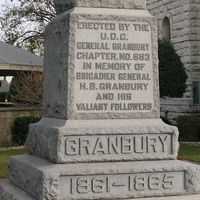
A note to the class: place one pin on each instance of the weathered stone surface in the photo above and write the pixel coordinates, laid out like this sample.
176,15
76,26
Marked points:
73,92
63,5
44,181
11,192
63,141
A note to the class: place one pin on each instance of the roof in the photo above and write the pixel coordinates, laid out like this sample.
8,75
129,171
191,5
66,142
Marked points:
12,57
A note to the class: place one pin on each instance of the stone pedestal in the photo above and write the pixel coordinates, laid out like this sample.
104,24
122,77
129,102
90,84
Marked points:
77,141
12,192
42,180
101,136
123,180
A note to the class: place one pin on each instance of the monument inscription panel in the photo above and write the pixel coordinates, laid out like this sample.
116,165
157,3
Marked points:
118,147
113,67
122,185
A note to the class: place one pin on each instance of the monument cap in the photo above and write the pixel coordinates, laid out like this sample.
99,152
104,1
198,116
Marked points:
63,5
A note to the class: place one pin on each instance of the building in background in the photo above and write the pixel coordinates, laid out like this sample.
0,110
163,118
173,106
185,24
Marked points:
179,22
13,60
4,85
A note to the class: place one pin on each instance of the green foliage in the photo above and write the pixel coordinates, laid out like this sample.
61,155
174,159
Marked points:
189,127
171,70
3,96
166,120
20,129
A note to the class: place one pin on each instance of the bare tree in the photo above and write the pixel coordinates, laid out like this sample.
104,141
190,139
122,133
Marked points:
26,88
23,24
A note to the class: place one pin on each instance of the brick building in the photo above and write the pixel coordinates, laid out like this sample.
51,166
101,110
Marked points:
179,21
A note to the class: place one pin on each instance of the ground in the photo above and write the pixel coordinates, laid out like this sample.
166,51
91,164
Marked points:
189,152
4,159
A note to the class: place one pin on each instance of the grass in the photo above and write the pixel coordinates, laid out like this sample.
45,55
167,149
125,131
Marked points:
4,159
189,152
186,152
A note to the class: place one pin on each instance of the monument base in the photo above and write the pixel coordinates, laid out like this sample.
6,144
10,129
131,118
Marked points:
111,180
64,141
10,192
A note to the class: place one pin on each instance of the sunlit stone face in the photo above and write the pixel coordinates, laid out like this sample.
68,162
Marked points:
63,5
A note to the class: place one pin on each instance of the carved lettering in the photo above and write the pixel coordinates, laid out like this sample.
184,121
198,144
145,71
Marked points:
111,61
124,185
114,145
89,184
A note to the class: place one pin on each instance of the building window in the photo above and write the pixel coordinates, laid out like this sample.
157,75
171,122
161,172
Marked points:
0,83
166,30
196,92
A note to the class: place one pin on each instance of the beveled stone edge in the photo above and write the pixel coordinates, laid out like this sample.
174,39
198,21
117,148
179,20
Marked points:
50,175
11,192
46,138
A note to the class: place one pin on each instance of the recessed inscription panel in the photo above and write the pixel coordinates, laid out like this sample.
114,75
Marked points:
113,67
118,147
122,185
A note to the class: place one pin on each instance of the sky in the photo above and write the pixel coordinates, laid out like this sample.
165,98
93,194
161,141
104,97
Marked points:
2,3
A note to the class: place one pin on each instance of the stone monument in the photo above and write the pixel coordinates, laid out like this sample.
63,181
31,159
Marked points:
101,136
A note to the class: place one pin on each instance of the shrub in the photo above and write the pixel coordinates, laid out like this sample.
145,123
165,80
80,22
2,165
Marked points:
189,128
20,129
171,71
3,96
166,120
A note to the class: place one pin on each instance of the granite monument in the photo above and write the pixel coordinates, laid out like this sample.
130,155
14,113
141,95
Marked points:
101,136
